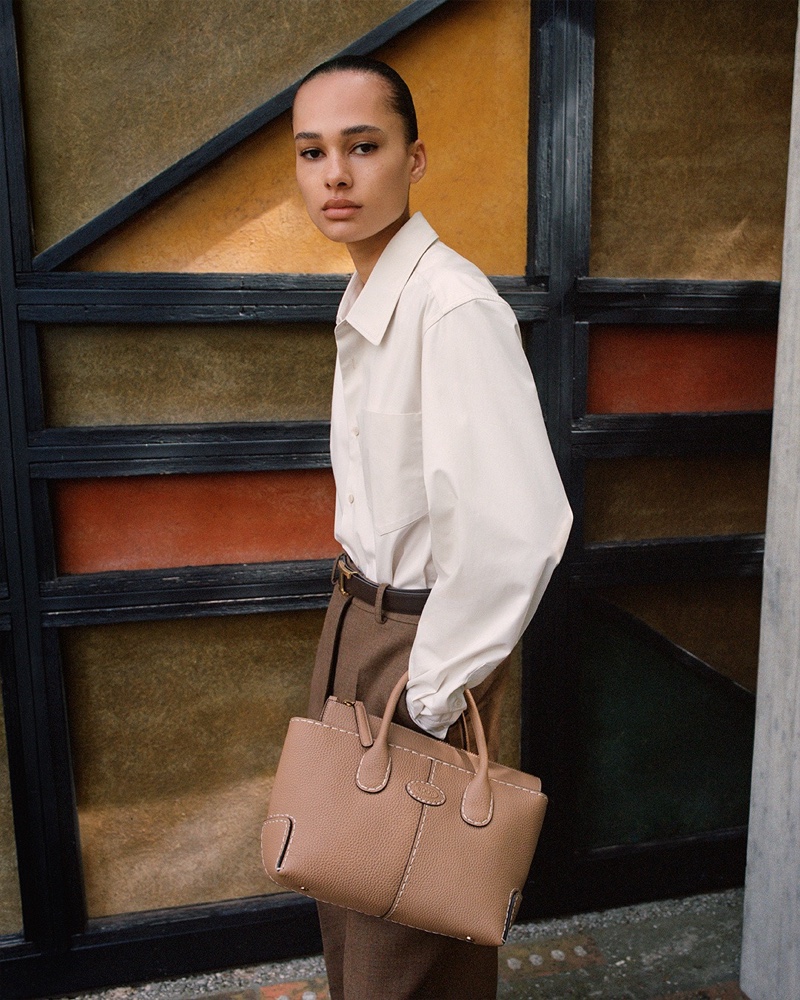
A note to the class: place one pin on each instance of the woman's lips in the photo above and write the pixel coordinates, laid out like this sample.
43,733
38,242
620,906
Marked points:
339,208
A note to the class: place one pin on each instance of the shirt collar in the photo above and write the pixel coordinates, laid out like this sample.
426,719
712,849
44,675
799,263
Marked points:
369,308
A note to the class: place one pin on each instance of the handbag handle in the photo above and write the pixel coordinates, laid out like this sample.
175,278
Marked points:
376,763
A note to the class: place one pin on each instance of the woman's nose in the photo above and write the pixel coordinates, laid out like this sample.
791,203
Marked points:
338,175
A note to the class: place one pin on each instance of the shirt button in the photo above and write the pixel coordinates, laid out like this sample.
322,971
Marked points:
355,431
351,498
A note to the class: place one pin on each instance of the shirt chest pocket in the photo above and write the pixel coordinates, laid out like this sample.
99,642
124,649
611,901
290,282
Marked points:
391,454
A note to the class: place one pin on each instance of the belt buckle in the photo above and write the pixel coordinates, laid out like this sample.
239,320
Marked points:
344,574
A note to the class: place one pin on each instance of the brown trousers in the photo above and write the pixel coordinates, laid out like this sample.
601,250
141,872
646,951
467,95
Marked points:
361,654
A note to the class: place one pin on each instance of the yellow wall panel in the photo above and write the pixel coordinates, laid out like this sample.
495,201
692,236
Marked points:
691,137
468,68
242,214
115,92
467,65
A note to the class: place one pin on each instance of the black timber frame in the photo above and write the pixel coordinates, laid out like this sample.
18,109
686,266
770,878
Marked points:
60,950
565,879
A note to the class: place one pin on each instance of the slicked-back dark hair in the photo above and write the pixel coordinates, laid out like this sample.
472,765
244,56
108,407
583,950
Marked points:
400,99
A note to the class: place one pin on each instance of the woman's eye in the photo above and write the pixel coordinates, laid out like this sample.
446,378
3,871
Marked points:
311,154
364,147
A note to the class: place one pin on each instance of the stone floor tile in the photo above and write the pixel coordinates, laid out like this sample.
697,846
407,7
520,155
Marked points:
308,989
722,991
548,957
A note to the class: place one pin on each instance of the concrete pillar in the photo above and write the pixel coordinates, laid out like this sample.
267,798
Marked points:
771,943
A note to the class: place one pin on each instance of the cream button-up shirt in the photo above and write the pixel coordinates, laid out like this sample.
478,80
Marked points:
444,474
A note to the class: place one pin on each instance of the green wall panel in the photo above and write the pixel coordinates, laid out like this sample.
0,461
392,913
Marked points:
717,621
665,749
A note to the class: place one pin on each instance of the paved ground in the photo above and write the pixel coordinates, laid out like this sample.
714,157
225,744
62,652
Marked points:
678,950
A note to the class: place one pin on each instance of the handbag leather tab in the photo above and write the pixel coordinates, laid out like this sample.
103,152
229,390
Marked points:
514,901
426,793
362,722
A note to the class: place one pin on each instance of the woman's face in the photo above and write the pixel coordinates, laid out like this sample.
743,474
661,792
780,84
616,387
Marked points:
353,164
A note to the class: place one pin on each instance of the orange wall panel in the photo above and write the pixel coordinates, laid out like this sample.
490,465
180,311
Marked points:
154,522
674,369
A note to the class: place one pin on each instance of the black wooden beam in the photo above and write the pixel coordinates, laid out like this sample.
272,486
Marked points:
562,80
86,286
158,298
167,943
40,880
636,300
186,592
621,435
283,309
38,749
81,451
19,248
636,873
662,559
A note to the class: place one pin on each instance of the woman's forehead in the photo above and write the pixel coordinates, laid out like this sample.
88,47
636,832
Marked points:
332,102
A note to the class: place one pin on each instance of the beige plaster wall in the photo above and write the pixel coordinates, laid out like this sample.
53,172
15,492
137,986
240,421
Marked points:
176,732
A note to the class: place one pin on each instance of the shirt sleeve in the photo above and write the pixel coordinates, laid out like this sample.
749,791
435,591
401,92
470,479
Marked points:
499,517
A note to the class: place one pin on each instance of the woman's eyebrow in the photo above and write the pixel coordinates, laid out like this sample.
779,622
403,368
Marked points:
359,129
350,130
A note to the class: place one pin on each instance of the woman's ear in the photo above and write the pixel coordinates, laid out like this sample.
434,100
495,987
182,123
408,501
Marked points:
419,160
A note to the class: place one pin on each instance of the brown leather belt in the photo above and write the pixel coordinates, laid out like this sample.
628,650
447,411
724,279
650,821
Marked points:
395,600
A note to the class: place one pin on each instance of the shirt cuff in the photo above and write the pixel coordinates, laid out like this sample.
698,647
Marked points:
434,725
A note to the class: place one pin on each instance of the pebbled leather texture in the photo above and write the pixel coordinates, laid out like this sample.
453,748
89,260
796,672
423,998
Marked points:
410,829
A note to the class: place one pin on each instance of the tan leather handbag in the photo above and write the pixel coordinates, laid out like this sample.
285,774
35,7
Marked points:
401,825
